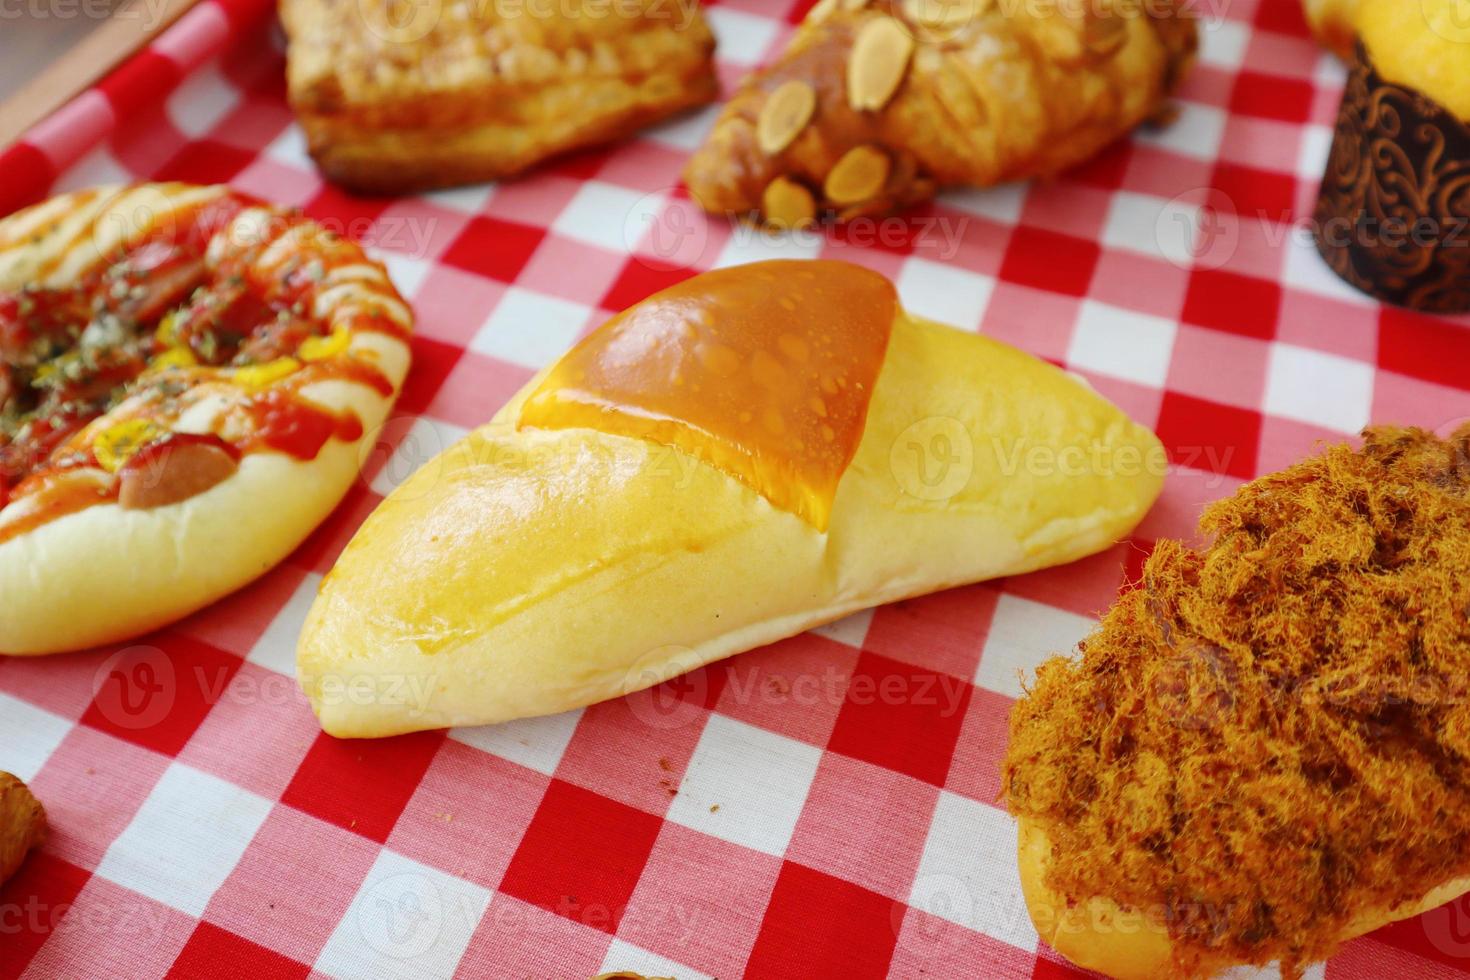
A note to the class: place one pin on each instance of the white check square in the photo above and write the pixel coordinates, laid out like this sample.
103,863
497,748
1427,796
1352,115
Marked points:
741,37
850,630
276,648
536,743
1196,133
968,875
29,736
408,921
185,839
1153,226
1022,635
530,328
745,785
945,293
425,439
1122,343
623,957
1322,389
205,98
601,214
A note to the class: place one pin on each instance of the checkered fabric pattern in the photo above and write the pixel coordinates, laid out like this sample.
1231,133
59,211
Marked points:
823,807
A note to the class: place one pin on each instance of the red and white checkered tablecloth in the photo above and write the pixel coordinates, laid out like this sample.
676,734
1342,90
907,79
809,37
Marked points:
823,807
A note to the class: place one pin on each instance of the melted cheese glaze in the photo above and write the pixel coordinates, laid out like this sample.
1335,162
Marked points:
764,371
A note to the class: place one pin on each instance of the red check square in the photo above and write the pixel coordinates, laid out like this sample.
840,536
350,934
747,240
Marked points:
293,884
931,946
1050,260
92,786
1257,195
73,951
582,856
975,771
433,361
1205,435
362,784
494,248
33,905
640,280
1272,96
794,687
1423,346
852,937
944,631
446,825
676,911
211,951
864,824
902,717
205,162
156,696
1229,301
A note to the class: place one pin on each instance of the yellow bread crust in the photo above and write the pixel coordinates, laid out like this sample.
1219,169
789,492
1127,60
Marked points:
106,573
1130,944
1424,44
527,573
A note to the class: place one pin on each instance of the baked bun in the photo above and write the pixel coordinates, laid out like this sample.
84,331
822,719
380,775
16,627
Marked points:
751,453
401,97
1127,944
1264,749
186,378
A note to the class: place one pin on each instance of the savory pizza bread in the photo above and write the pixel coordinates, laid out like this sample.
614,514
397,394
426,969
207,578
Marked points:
22,825
186,376
875,104
396,96
743,456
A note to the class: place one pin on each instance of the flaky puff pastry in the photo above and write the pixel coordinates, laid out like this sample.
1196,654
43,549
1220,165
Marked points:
877,103
398,96
22,824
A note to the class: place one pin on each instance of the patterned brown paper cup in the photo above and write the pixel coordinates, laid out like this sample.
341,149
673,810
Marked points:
1393,214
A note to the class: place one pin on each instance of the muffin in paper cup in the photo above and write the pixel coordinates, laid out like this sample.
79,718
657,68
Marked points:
1393,214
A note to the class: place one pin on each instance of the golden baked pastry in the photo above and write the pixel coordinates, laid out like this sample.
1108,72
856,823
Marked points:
1264,750
877,104
746,455
22,825
397,96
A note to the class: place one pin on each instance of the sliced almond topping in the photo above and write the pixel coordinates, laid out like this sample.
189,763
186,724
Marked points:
784,115
880,56
858,176
787,204
944,15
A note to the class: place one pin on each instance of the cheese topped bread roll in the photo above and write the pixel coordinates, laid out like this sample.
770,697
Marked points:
751,453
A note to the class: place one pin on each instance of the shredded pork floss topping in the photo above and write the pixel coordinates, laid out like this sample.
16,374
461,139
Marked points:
1270,737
